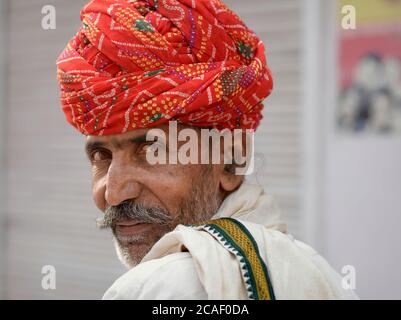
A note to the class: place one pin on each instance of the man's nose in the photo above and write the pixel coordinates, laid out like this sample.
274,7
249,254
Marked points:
121,184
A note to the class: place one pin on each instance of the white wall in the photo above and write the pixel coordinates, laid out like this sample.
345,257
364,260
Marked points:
363,211
3,237
357,179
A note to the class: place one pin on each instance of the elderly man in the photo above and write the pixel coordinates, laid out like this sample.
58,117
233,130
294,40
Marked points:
185,229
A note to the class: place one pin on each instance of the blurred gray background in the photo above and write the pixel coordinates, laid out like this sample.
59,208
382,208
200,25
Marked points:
340,194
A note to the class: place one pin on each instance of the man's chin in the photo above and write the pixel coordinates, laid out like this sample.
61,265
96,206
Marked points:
131,248
131,253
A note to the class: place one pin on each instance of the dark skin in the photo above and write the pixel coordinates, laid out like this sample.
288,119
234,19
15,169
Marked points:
121,172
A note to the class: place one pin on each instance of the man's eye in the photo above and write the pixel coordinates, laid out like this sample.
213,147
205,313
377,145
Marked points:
100,155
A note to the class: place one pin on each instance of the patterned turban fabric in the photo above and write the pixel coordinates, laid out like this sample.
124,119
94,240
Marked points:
139,64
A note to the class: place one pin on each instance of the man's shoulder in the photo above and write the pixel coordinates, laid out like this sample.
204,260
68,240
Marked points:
170,277
297,270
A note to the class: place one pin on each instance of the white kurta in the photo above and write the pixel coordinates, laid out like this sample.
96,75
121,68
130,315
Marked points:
207,270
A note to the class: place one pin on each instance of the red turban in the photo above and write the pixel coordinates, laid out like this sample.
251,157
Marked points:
138,64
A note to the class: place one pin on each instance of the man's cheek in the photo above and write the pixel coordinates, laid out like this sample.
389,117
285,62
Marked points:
99,171
98,191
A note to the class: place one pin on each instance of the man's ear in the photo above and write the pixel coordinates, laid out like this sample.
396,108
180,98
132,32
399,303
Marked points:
229,181
229,177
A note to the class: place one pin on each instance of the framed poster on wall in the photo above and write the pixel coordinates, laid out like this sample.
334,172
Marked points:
370,69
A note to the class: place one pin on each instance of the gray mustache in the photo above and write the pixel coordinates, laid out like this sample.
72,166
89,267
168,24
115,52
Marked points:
132,210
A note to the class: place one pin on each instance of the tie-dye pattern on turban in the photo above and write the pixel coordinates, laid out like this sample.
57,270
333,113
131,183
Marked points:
138,64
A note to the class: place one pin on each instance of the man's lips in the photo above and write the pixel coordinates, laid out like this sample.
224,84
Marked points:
130,227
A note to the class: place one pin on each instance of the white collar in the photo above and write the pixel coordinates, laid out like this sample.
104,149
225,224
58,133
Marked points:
250,203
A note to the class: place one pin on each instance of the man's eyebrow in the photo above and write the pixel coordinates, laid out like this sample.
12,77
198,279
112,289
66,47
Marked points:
139,139
90,146
120,144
